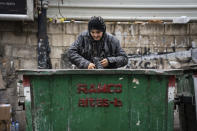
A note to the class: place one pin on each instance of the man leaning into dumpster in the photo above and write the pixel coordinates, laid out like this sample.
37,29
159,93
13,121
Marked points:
97,49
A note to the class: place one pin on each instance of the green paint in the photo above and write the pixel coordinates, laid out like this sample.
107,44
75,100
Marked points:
55,103
51,102
99,118
148,103
28,116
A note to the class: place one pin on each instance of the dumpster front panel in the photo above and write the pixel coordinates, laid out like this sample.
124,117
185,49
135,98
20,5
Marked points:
148,103
41,103
99,103
60,103
50,102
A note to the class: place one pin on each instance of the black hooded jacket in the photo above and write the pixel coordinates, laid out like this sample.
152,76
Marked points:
83,50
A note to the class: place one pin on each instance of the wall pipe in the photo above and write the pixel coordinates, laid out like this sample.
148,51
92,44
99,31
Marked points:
43,49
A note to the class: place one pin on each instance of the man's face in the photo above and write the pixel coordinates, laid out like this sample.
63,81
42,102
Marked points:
96,34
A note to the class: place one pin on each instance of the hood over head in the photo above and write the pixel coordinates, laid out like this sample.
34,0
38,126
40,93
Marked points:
97,22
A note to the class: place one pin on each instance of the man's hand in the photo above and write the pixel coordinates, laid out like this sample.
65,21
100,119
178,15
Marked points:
91,66
104,62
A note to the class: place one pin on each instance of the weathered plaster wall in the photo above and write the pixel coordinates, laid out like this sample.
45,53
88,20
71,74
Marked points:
18,50
148,45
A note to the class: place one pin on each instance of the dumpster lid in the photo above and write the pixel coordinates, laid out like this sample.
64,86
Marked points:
99,71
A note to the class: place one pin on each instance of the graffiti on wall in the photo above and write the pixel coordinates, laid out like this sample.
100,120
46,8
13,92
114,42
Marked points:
173,60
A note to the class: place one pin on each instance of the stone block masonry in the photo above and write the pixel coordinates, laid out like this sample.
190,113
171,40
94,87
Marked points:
19,40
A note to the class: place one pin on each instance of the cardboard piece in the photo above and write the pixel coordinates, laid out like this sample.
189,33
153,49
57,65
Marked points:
5,117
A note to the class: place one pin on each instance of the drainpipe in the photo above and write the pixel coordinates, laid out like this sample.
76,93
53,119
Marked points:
43,49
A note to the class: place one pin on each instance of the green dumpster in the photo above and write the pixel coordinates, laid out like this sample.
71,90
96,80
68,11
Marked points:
186,100
99,100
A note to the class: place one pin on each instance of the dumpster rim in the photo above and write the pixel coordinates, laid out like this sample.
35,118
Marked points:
99,71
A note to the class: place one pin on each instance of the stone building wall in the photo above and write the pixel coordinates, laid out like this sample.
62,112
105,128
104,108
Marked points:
149,45
144,41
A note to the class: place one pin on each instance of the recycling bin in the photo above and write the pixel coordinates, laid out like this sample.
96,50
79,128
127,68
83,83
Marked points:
99,100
